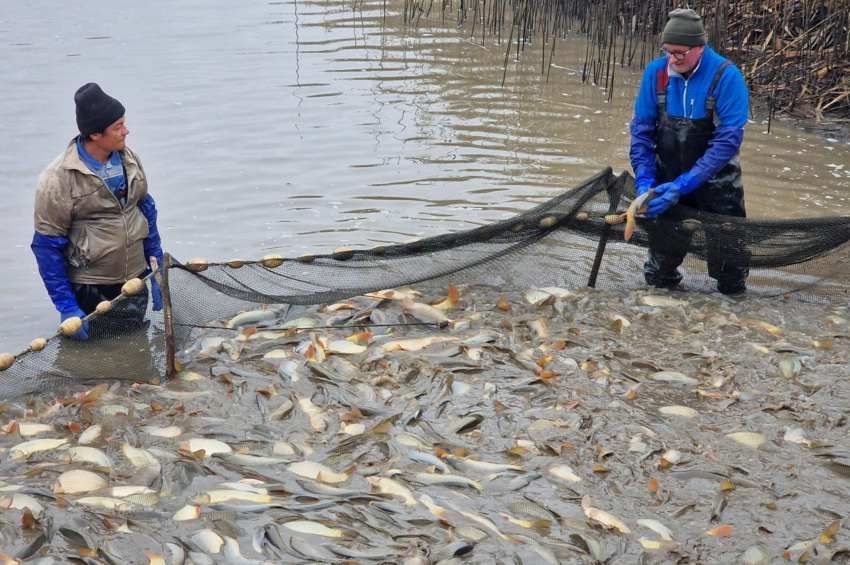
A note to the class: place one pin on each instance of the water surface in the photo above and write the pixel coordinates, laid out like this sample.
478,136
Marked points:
299,127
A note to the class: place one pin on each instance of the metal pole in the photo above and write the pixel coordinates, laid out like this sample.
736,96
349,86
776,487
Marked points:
170,362
615,192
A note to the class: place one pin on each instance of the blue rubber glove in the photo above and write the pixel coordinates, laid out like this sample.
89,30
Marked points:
666,196
49,254
152,246
156,295
152,243
83,334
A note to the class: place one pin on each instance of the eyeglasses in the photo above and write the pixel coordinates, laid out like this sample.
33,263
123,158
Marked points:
678,55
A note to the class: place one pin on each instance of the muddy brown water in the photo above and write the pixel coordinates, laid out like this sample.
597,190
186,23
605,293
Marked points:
296,127
302,126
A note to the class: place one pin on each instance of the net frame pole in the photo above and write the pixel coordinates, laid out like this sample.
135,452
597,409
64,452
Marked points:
615,192
168,320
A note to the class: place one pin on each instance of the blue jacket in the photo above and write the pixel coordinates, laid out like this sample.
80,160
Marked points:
686,98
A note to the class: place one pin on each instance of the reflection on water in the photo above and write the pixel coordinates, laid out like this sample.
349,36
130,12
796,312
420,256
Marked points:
299,127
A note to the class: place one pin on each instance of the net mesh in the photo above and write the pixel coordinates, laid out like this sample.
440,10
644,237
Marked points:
558,243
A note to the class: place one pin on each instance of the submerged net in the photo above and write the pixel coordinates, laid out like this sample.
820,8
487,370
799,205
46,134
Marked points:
568,241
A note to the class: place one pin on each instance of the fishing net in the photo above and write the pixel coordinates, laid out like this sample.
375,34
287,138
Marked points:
572,240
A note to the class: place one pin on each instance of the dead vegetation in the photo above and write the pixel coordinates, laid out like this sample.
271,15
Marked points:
795,54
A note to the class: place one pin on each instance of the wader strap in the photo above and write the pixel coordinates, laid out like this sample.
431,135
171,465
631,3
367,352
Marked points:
661,80
710,100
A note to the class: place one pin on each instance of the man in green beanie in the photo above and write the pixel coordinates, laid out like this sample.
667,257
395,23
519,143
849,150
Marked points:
686,133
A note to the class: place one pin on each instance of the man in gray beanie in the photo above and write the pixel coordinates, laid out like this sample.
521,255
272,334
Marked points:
95,223
687,130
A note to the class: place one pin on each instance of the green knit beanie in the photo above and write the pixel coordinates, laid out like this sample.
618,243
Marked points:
684,28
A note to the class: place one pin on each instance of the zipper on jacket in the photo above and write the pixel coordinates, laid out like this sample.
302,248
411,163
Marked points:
123,217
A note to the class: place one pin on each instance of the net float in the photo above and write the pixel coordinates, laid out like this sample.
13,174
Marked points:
343,253
197,265
38,344
71,326
548,221
133,286
6,361
235,263
272,261
104,307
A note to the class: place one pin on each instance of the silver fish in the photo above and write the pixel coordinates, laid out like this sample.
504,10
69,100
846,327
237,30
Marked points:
446,480
253,317
428,459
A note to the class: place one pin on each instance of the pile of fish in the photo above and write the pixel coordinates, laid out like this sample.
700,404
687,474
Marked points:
417,427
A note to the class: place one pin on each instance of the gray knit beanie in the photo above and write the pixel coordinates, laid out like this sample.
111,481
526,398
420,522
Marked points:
684,28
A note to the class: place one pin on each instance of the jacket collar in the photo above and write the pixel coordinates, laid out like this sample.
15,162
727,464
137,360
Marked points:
71,161
705,54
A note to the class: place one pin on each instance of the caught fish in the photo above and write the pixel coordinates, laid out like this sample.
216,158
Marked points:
317,417
233,555
210,447
466,464
537,296
528,524
519,482
18,501
104,503
328,490
749,439
434,508
90,435
188,512
659,301
252,318
673,377
658,545
602,517
139,458
129,490
246,485
207,541
26,429
78,481
27,448
316,471
488,524
564,473
446,480
314,528
389,486
656,527
217,495
681,411
344,347
425,313
428,459
167,432
415,344
638,206
90,455
530,508
395,294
